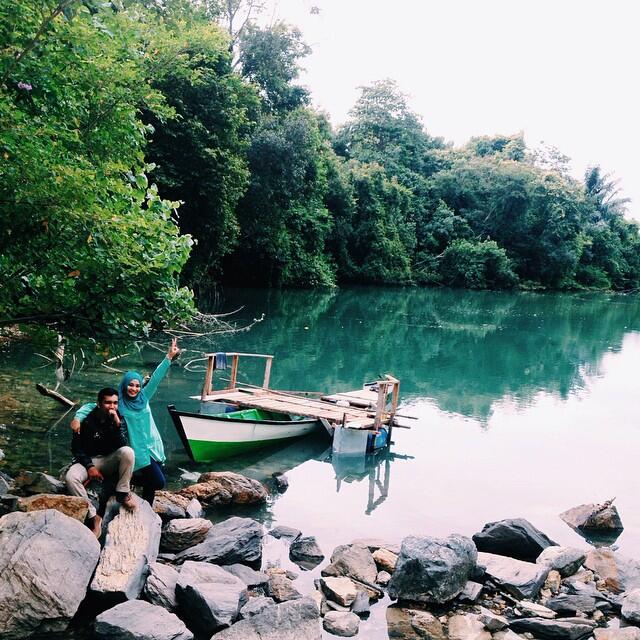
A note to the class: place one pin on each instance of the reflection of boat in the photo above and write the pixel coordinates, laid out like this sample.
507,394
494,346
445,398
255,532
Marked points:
375,467
244,417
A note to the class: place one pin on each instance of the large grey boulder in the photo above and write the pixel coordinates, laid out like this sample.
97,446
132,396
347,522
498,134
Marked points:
354,561
31,482
139,620
291,620
566,560
160,588
594,517
228,542
46,562
631,606
305,552
180,534
619,572
250,577
209,598
562,628
288,533
521,579
131,545
515,538
432,570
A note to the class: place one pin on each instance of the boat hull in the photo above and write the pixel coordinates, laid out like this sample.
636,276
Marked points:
211,437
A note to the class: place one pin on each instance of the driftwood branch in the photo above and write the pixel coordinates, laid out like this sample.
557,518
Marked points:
49,393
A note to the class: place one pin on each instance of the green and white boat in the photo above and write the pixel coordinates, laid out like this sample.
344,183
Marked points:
243,417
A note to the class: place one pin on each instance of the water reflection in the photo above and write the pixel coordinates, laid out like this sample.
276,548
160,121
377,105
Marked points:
374,468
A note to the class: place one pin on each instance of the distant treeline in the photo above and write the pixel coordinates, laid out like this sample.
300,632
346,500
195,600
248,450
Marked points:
145,145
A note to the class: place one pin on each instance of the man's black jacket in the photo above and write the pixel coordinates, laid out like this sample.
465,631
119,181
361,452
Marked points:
99,436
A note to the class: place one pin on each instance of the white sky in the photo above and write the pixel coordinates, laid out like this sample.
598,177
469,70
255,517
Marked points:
564,72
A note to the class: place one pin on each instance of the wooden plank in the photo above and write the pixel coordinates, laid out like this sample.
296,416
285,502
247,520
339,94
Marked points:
206,388
267,372
234,371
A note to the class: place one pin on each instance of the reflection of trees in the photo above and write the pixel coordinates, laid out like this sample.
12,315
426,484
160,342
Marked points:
463,349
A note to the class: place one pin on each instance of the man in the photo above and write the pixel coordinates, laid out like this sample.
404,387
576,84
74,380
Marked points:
100,452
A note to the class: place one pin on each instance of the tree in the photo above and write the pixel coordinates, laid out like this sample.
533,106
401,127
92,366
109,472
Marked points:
269,59
87,245
604,193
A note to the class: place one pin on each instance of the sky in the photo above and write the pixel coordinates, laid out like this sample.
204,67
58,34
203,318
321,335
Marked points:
564,72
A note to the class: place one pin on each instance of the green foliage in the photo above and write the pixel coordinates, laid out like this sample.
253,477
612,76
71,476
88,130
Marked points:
270,60
476,265
86,244
507,147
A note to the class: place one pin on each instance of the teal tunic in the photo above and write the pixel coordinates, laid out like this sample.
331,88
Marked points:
144,437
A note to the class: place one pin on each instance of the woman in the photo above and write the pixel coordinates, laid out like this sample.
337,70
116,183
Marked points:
143,435
144,438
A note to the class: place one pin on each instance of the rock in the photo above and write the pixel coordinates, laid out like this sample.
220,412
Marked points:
281,589
169,505
256,606
46,562
522,580
250,577
373,544
280,481
515,538
569,605
341,624
228,542
5,486
492,621
618,572
385,560
564,628
622,633
596,517
432,570
139,620
553,581
282,531
194,509
225,487
160,587
209,598
533,609
584,575
131,545
291,620
341,590
507,634
334,606
360,605
71,506
383,578
166,558
305,552
411,624
603,599
178,535
470,592
352,561
631,606
566,560
466,627
29,482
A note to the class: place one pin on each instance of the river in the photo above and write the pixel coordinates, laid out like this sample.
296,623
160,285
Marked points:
525,405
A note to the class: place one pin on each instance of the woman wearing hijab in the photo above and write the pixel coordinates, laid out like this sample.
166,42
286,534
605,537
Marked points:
143,435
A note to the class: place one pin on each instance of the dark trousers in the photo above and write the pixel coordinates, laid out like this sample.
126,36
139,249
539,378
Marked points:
151,478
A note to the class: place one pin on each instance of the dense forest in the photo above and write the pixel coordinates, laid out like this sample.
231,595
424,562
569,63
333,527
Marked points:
149,148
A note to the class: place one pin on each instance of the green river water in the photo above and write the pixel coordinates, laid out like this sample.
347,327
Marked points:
525,405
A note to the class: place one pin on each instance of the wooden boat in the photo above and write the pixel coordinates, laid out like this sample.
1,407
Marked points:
244,417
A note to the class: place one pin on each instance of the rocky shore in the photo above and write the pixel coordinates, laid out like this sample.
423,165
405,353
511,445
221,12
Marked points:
168,573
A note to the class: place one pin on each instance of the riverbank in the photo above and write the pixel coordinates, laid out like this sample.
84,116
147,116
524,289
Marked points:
171,573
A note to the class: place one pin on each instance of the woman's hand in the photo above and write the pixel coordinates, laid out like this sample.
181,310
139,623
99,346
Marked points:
75,425
173,351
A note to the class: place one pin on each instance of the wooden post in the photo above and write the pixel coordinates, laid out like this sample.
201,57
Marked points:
381,402
267,372
234,371
206,387
394,402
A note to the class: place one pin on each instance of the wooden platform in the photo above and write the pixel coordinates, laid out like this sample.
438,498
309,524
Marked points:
355,417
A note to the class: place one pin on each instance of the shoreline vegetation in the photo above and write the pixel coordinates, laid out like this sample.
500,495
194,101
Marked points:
153,150
168,572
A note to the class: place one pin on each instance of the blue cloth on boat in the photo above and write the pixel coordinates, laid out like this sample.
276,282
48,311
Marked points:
221,360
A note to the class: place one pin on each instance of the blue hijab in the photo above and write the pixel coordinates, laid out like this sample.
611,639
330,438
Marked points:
124,400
